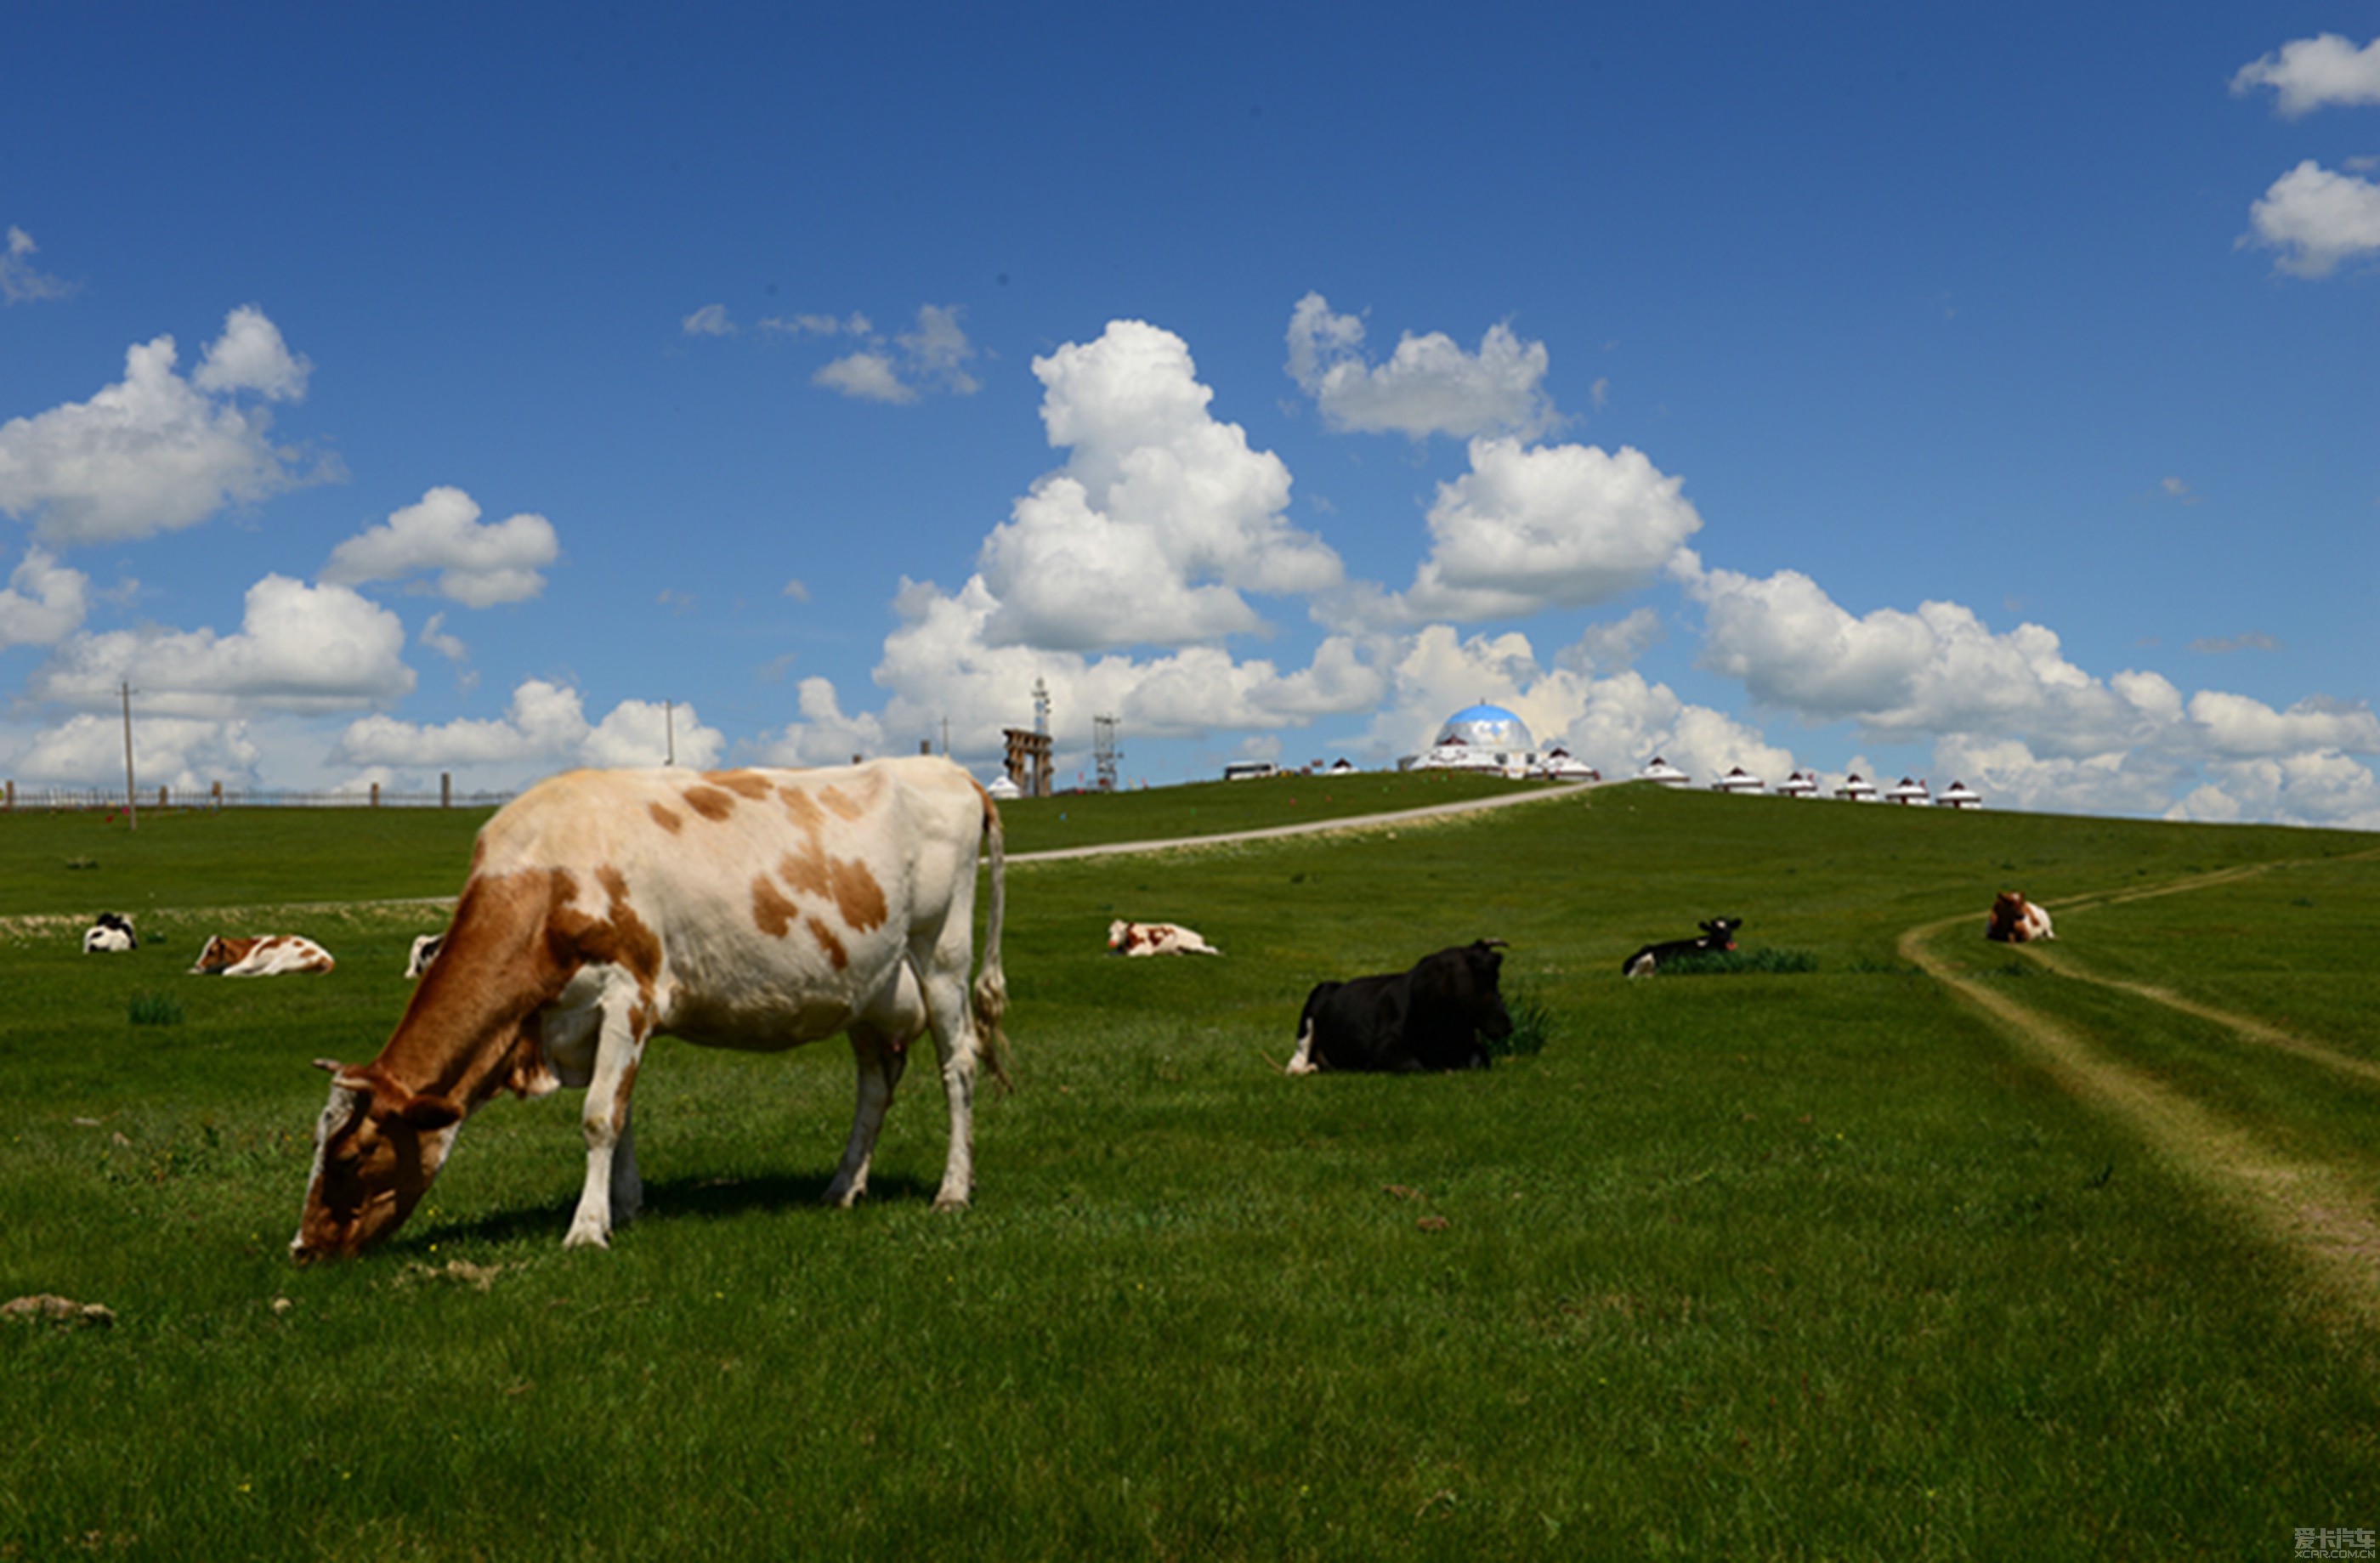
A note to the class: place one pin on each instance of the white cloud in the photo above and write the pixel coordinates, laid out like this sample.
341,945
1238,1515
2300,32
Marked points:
154,452
44,601
932,355
1533,527
866,377
313,649
2308,73
477,566
185,754
2320,787
251,355
19,283
544,728
2317,219
1160,519
433,635
710,321
1428,386
824,735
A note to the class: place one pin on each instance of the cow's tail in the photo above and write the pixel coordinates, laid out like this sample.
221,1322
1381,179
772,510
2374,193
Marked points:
991,995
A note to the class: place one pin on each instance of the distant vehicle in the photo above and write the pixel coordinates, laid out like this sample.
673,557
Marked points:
1249,770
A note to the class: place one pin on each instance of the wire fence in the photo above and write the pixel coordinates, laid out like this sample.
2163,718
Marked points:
31,800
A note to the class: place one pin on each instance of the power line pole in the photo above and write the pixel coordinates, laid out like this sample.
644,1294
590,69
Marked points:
131,802
669,728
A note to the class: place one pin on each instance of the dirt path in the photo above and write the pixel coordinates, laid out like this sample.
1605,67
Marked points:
1311,827
2322,1215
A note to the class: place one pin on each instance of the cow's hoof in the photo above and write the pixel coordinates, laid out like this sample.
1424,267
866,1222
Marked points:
950,1202
587,1237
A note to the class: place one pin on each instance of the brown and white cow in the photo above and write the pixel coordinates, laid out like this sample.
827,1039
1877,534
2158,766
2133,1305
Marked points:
261,955
748,909
2015,920
1156,938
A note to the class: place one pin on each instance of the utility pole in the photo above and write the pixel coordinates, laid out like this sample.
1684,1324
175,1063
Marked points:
131,801
669,729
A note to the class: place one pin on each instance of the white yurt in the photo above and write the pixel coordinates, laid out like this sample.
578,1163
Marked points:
1960,795
1801,784
1857,789
1661,770
1912,794
1737,780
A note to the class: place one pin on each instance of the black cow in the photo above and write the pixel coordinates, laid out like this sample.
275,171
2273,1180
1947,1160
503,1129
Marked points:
110,934
1718,934
1430,1017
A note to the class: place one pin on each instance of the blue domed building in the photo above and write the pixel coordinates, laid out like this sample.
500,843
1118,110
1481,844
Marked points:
1490,738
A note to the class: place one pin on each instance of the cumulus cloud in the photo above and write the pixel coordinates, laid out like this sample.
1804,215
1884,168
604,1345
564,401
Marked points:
1534,527
1428,386
1162,517
43,603
155,452
2308,73
544,728
2317,219
20,282
312,649
185,754
477,566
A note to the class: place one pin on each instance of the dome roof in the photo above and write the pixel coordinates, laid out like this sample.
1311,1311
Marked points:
1485,727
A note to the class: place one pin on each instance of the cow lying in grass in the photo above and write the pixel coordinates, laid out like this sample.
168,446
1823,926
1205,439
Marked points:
110,934
748,909
1716,934
1428,1018
263,955
1156,938
2015,920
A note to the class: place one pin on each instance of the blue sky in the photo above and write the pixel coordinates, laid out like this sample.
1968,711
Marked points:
1976,394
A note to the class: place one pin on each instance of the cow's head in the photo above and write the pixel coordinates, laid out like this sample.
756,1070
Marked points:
376,1148
1721,932
217,954
1117,931
2008,915
1464,979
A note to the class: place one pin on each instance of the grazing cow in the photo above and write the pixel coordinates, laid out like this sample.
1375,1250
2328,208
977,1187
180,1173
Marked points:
746,909
425,950
1430,1017
110,934
2015,920
263,955
1156,938
1718,934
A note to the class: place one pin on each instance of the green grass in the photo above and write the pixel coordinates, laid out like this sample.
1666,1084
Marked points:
1801,1264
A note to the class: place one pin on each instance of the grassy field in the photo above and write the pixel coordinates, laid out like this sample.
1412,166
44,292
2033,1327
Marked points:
1919,1247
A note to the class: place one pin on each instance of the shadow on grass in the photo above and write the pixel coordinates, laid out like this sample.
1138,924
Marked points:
671,1199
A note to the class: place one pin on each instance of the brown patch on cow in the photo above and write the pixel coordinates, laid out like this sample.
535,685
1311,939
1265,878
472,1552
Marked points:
711,803
856,894
665,817
771,912
844,806
802,810
745,785
835,952
808,873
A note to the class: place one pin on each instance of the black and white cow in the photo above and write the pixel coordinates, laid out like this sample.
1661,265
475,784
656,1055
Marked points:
1716,934
1428,1018
110,934
425,950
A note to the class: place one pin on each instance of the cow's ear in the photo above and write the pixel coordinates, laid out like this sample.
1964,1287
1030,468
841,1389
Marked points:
334,1065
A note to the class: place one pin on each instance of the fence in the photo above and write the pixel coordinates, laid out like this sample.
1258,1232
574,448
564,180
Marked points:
35,799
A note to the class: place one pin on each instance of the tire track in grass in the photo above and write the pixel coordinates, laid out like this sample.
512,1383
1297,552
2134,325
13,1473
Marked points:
2318,1212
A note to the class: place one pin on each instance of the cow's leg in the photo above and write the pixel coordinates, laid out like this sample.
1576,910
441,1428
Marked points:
1301,1061
613,1191
880,1057
943,978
